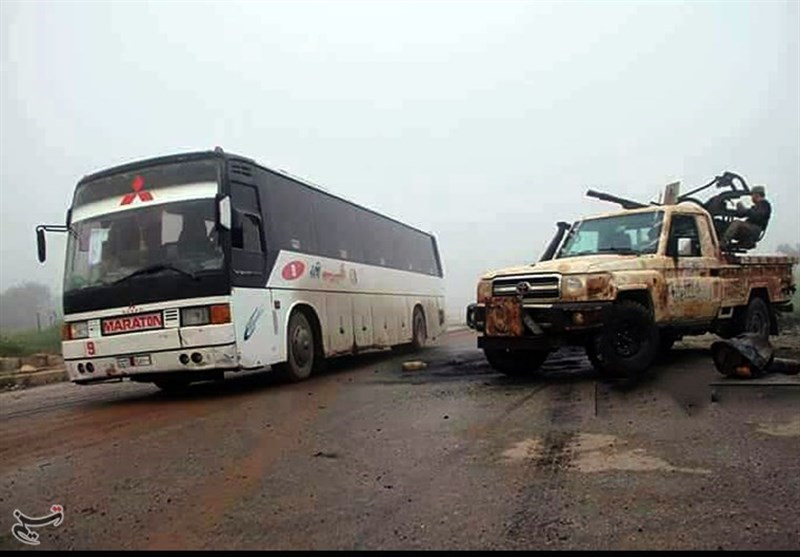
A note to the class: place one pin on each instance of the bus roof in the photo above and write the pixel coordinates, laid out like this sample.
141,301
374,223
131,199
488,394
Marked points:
204,155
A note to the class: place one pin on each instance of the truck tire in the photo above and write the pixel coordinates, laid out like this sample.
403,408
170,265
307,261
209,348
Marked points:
301,349
630,342
516,363
756,318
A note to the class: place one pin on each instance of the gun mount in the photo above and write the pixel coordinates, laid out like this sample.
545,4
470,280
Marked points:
717,204
735,188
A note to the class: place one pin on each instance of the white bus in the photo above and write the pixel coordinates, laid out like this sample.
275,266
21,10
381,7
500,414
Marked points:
183,267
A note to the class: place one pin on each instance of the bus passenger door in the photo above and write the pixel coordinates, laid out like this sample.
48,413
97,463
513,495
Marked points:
255,336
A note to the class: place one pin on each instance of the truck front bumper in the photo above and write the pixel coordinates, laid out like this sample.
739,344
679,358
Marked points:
536,326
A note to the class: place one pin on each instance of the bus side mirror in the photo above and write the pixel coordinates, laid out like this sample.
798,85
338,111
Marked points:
225,217
40,244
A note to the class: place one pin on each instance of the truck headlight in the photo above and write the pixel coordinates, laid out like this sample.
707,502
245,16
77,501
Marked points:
574,285
484,291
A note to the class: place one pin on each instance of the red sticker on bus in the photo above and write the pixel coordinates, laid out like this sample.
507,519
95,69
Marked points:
293,270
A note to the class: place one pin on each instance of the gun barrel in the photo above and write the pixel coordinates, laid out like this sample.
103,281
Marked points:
625,203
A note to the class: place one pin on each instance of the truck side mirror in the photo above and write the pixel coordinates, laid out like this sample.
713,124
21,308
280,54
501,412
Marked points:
40,244
685,247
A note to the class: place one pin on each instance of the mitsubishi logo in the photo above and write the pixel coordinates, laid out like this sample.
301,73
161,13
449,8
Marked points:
138,191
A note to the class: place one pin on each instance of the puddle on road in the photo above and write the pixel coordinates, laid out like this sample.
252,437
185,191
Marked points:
790,429
592,452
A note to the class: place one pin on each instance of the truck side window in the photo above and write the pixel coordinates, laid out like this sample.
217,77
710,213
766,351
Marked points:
683,226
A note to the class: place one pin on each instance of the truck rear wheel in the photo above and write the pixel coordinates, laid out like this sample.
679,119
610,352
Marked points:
515,363
630,342
757,318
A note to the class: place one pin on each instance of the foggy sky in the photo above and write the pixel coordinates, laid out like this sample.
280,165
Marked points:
483,123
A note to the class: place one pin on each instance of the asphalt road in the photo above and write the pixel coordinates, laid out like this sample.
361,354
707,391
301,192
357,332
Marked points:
366,456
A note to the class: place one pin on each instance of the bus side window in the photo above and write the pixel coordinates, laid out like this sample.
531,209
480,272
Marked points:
247,235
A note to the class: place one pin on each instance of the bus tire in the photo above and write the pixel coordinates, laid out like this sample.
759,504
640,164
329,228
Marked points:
419,329
301,349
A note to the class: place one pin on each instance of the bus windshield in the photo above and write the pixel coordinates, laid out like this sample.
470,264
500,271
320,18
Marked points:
173,237
632,234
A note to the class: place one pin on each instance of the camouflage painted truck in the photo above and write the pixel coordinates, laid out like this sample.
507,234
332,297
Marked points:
626,285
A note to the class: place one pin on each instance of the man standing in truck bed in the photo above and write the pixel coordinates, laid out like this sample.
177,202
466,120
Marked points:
746,232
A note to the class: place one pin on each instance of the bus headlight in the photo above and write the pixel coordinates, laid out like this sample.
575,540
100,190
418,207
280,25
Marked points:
76,330
192,317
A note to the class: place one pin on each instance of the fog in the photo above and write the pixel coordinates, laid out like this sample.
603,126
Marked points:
483,123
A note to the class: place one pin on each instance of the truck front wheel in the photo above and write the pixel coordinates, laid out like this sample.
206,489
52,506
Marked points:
515,363
630,342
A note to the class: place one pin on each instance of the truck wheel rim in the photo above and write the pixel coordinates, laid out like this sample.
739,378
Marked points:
757,324
628,340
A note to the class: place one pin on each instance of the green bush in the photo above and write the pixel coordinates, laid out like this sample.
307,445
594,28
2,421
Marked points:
31,342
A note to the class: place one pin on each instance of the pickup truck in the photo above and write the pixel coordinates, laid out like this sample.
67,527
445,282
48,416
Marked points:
625,286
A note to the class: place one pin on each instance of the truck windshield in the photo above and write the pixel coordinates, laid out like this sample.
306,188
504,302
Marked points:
633,234
178,237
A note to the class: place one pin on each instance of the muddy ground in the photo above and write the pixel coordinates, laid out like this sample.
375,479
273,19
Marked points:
366,456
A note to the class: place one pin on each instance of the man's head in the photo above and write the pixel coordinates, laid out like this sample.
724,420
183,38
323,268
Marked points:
757,193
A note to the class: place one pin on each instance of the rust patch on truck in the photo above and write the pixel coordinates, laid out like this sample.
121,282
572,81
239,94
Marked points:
504,317
599,287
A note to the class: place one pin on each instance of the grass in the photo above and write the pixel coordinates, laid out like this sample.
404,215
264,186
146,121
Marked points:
31,342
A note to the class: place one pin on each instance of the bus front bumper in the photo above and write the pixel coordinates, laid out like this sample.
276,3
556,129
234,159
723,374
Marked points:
140,365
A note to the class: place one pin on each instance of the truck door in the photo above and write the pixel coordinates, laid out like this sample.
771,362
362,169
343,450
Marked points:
692,281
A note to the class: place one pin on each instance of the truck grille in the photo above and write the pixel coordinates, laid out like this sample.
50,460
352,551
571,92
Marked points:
529,287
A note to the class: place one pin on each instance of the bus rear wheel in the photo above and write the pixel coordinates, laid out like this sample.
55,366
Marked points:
419,330
301,349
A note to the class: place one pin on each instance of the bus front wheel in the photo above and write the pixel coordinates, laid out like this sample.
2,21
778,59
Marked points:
301,352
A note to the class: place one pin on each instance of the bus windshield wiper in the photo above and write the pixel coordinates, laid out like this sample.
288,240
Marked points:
157,268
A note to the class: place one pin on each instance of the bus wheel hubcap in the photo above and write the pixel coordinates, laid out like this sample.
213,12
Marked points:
301,346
